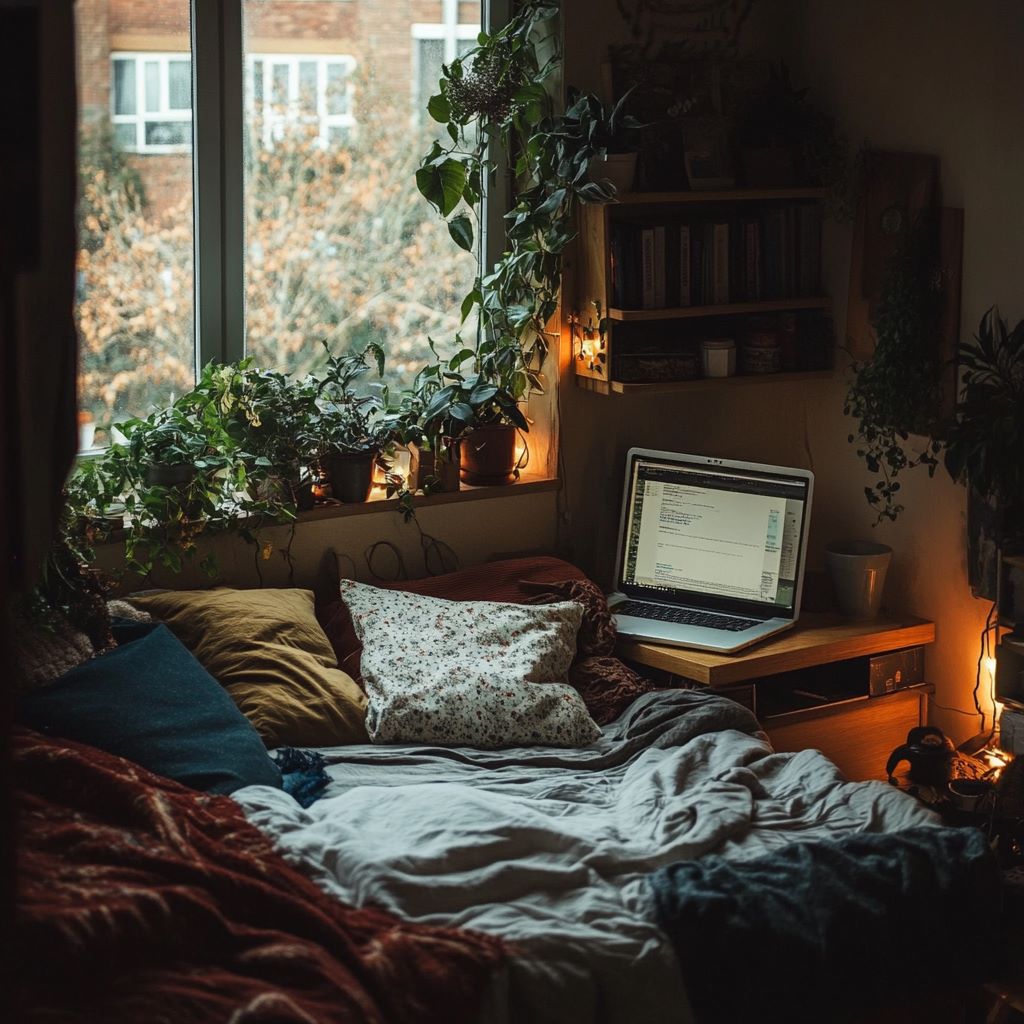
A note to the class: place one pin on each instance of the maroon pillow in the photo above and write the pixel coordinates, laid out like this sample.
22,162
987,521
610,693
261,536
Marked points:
491,581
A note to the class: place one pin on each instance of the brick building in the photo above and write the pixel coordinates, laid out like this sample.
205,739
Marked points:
304,60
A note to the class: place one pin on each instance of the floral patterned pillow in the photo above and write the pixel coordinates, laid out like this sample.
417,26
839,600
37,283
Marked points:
475,673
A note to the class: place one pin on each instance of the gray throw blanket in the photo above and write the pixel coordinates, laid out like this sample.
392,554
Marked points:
828,929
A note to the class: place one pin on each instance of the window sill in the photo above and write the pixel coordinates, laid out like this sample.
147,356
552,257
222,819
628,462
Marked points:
378,503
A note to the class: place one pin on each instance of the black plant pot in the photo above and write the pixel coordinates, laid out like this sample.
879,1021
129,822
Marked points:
302,492
180,474
351,476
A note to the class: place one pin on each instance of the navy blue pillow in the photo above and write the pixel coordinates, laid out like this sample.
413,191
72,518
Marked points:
151,702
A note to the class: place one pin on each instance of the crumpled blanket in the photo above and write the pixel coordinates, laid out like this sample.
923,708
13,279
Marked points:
141,900
607,685
834,928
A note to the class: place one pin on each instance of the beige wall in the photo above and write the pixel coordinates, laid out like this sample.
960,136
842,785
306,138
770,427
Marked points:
474,531
933,75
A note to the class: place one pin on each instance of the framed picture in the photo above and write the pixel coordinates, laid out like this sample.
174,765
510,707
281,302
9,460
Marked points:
707,154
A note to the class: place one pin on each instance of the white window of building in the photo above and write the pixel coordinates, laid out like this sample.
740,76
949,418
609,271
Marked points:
437,44
151,102
290,90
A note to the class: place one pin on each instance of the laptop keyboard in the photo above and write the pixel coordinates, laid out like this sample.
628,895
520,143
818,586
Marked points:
686,616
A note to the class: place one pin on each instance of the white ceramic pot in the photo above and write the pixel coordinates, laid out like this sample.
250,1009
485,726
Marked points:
618,168
858,569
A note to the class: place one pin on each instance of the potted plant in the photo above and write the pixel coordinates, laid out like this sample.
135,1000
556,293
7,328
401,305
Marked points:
496,98
613,137
783,140
983,445
269,418
482,414
352,429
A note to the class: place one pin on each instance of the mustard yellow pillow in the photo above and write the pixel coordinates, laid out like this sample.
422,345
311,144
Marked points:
267,650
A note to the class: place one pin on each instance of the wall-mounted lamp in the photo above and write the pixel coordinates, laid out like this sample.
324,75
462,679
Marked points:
588,343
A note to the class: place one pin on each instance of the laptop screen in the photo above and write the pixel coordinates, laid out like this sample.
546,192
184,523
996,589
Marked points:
717,536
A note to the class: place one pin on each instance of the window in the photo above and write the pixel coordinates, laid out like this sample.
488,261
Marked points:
288,91
151,102
293,122
436,45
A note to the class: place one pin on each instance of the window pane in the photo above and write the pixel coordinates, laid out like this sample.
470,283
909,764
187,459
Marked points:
168,133
179,85
337,89
340,245
307,85
124,86
152,86
134,299
431,57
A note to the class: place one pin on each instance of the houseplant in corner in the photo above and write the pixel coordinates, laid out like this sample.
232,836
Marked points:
983,445
496,107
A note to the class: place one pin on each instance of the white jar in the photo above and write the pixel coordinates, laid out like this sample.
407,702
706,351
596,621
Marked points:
718,357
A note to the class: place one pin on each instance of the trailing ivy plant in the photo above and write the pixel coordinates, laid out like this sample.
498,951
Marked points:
496,99
897,393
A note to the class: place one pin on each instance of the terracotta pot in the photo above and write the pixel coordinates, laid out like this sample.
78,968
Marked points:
442,467
351,475
488,455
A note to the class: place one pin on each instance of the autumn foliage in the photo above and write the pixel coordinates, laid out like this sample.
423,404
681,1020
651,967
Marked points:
340,247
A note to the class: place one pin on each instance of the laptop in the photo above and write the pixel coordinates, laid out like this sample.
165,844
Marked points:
711,551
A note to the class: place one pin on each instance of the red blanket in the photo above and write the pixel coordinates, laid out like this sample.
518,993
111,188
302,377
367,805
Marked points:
141,900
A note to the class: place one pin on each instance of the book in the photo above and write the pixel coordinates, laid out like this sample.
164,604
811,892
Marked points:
720,264
647,292
659,267
685,253
752,261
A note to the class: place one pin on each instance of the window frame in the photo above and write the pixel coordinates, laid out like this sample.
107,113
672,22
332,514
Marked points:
219,85
166,113
324,119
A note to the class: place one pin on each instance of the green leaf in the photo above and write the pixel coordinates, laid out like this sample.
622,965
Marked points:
460,228
469,302
439,109
442,184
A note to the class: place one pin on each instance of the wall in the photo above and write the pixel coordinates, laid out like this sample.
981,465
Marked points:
472,531
932,75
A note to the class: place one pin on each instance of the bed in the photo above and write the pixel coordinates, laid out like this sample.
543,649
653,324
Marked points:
515,884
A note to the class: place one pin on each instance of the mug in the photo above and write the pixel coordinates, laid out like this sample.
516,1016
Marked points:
858,569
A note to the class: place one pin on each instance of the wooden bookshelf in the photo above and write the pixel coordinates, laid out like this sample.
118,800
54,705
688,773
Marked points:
598,224
738,195
729,309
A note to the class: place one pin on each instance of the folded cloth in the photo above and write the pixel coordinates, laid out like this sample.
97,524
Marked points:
303,773
823,930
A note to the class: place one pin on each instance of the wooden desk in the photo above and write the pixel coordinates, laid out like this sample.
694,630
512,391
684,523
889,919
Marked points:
856,733
815,640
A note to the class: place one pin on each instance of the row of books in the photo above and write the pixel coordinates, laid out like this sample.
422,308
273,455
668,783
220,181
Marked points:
772,254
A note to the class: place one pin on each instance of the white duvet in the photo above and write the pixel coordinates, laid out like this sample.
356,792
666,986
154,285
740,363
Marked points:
550,848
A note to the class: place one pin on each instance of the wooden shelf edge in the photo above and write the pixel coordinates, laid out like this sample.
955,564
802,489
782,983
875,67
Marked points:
724,309
730,195
711,383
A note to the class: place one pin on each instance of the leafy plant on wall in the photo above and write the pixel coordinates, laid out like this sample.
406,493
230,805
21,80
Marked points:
496,108
895,397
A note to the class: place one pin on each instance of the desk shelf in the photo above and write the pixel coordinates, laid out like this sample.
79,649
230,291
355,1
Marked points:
815,640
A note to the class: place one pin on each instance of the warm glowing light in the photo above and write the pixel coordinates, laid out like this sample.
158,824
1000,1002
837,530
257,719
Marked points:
990,667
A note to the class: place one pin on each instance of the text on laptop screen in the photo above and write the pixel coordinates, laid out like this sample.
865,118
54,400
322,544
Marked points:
727,533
